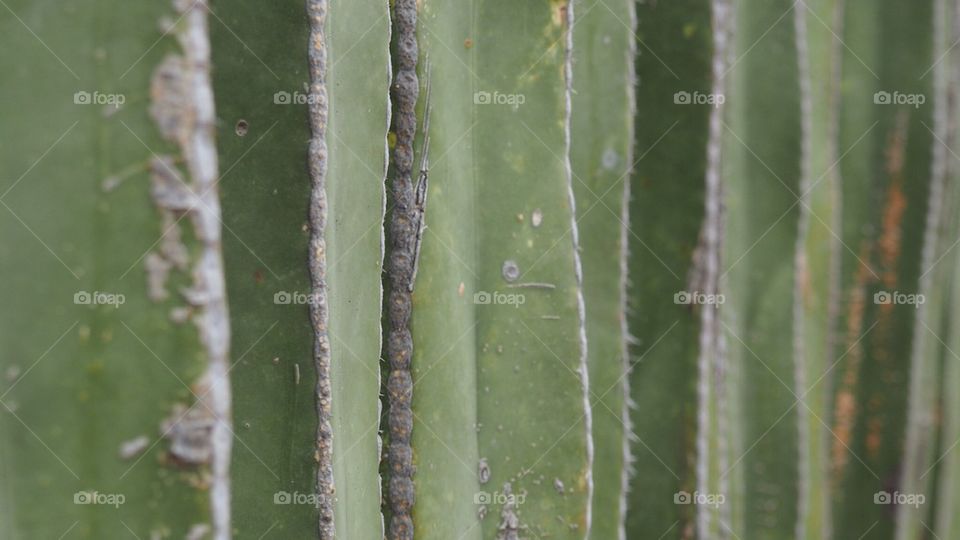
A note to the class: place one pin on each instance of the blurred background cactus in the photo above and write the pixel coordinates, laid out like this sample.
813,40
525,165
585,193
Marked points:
563,269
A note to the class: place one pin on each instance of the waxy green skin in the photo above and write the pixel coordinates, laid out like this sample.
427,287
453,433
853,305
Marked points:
810,418
265,205
80,380
666,214
761,177
492,166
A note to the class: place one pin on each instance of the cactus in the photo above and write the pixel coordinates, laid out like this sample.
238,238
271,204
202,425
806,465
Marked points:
434,269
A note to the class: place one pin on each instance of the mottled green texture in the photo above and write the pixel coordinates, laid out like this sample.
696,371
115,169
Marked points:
79,380
265,189
601,156
492,167
762,135
930,354
885,181
666,214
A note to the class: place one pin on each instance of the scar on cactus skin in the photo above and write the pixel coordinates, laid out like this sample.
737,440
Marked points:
181,105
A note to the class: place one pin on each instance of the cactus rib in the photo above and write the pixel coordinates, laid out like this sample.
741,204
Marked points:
317,51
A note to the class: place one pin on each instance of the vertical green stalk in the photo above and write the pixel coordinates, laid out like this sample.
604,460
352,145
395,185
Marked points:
816,257
497,309
763,156
665,262
928,354
603,108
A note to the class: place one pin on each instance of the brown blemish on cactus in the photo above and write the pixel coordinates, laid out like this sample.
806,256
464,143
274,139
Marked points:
483,471
241,128
892,221
846,406
889,242
510,270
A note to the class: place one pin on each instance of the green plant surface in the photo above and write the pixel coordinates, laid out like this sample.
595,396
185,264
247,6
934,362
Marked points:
885,179
929,354
266,199
80,379
666,216
265,190
359,111
499,395
762,167
946,524
601,157
815,298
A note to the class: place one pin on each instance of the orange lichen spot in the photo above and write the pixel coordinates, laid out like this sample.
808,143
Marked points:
559,12
846,410
889,242
874,437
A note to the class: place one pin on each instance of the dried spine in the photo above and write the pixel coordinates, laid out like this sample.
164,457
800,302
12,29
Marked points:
183,107
404,229
317,162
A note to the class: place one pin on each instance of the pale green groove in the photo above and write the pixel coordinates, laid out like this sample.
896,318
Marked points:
947,509
444,322
492,167
926,354
82,379
601,159
813,291
762,158
947,504
357,35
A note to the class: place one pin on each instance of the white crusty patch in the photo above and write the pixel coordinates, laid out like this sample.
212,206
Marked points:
182,107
